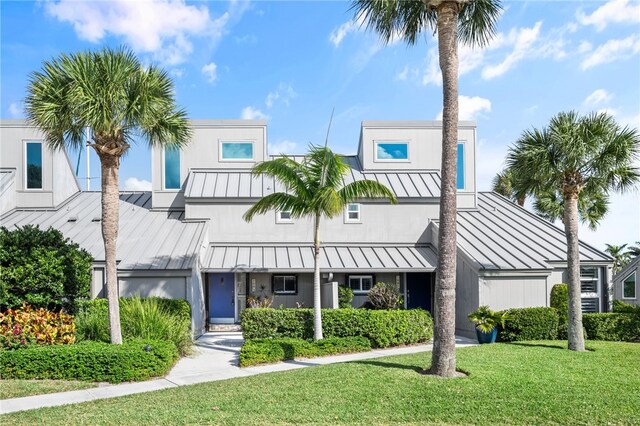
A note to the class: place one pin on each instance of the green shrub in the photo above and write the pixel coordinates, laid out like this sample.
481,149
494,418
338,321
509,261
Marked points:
382,328
560,301
530,324
25,326
384,296
262,351
345,297
42,269
622,307
90,361
613,326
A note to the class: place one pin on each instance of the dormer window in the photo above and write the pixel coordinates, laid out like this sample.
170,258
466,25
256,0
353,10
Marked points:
236,151
171,168
391,151
33,165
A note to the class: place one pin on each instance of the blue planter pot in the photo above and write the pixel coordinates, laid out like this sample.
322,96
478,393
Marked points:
489,337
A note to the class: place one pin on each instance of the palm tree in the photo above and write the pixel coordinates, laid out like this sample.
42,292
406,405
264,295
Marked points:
470,22
503,184
576,155
620,257
314,188
634,251
113,95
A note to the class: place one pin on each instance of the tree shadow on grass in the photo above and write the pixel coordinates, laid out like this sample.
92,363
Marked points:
545,345
417,369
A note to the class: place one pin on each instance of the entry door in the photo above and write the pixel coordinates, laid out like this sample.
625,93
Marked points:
419,290
221,298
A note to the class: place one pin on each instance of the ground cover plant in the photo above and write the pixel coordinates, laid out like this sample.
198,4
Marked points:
19,388
515,383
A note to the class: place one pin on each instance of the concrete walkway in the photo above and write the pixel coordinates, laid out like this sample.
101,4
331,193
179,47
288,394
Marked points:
215,358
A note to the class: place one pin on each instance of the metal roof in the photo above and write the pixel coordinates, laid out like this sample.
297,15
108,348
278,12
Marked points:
7,177
333,258
240,183
147,240
501,235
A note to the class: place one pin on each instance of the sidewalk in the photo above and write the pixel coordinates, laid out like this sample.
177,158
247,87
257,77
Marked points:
215,358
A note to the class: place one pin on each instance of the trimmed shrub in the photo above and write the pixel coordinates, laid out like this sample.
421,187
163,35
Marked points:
345,297
25,326
382,328
90,361
384,296
612,326
264,351
560,301
42,269
622,307
530,324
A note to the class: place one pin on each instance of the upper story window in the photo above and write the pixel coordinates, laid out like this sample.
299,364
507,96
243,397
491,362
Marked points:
460,175
33,165
284,216
236,151
352,213
360,283
629,286
171,168
391,151
285,284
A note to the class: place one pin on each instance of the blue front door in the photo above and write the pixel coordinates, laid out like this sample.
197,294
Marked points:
221,297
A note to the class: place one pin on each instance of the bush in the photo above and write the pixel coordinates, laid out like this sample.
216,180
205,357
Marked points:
25,326
345,297
530,324
42,269
613,326
262,351
384,296
90,361
382,328
622,307
151,318
560,301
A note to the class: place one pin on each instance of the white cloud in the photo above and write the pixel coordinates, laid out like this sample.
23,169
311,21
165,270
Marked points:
523,40
612,50
135,184
251,113
597,98
585,47
16,110
210,72
282,147
161,27
283,94
470,108
613,12
338,34
177,72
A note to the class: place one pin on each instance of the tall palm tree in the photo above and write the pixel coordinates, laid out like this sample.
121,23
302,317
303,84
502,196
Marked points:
503,184
576,155
620,257
113,95
634,250
314,188
470,22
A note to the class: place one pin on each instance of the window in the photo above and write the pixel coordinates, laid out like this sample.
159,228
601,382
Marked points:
460,176
284,216
238,151
391,151
285,284
33,165
171,168
589,278
360,283
352,213
629,287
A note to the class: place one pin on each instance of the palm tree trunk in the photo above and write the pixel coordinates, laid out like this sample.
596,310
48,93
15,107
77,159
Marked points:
317,313
574,326
110,215
443,358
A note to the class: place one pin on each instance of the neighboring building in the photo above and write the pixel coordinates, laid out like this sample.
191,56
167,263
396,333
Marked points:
188,239
626,285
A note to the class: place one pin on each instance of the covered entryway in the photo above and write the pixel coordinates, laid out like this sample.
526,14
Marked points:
221,298
419,290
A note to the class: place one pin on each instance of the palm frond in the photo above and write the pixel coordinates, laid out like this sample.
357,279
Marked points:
477,21
365,189
278,201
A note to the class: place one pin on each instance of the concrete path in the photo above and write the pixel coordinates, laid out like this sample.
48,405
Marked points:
215,358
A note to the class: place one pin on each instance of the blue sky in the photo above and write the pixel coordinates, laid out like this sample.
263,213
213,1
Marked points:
292,62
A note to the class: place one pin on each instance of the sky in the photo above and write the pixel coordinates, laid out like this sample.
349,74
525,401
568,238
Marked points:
293,62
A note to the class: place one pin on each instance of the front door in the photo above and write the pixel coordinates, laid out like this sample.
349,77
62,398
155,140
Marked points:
419,290
221,298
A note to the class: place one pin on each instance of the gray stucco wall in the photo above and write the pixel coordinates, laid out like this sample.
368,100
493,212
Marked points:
513,292
167,287
467,295
260,285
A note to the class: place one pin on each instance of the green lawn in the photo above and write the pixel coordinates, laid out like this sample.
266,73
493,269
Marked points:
526,383
19,388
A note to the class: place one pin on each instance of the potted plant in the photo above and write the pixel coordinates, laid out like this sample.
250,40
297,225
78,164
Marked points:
487,322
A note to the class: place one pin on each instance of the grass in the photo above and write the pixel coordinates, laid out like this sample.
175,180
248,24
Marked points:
523,383
19,388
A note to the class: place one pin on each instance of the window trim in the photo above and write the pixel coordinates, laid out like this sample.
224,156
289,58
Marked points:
25,187
237,160
279,218
461,186
361,276
346,213
164,171
635,287
284,293
391,160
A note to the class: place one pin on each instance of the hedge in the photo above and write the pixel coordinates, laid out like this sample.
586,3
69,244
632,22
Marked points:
530,324
90,361
264,351
560,300
382,328
612,326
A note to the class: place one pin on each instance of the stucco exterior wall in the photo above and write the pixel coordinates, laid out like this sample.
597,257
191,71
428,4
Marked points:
467,294
513,292
168,287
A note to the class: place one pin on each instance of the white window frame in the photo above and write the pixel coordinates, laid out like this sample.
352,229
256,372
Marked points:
164,172
237,160
347,219
24,164
635,287
280,219
598,278
295,278
359,277
391,160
